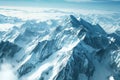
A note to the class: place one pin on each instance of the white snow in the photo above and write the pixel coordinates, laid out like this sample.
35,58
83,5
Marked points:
8,26
5,27
111,78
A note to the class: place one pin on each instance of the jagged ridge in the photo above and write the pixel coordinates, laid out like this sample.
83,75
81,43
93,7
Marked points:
71,50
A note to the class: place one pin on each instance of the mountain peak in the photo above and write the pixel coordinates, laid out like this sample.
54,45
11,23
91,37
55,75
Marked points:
74,21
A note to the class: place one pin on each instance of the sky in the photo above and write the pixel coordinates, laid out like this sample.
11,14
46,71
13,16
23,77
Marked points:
84,4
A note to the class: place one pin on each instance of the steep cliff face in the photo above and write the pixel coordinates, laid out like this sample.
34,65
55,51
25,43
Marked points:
8,50
69,49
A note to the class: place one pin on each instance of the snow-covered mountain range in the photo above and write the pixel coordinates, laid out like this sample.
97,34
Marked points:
69,47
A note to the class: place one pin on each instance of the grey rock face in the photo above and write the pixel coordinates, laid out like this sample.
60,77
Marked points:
8,50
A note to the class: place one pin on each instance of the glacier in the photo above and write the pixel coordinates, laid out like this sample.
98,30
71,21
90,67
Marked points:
59,45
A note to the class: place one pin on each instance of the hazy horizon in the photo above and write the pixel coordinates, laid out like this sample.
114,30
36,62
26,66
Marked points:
77,4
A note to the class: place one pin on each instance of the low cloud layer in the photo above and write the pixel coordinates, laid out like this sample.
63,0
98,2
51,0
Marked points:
7,72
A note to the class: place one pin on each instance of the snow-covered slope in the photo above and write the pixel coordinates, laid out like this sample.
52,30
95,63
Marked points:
67,48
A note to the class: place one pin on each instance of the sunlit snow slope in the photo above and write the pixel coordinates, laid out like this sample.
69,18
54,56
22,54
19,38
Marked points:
52,44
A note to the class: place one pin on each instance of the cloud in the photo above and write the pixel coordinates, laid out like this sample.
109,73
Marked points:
7,72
